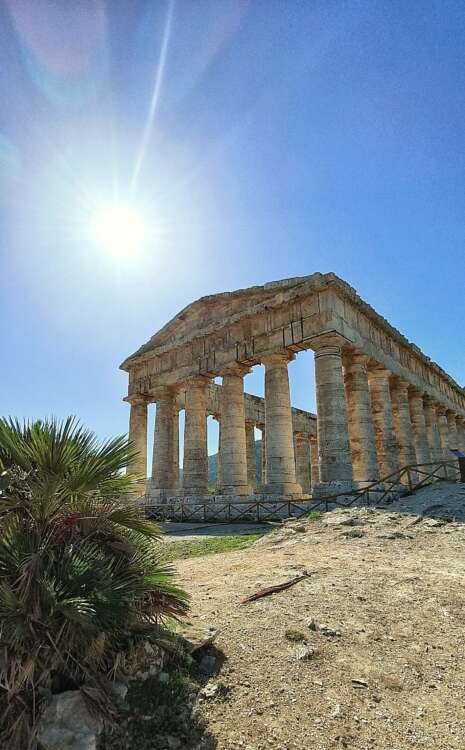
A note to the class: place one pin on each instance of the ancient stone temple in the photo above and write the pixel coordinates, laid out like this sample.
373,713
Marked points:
381,402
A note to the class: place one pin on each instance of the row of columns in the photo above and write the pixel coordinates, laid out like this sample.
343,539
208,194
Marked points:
369,424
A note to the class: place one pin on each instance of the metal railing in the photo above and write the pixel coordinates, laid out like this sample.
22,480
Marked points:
402,482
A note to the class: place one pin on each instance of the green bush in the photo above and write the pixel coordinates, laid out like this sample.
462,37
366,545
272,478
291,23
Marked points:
81,582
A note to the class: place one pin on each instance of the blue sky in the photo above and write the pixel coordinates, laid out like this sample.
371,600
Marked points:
287,137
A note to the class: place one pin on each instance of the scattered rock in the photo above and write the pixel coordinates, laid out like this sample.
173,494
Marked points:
304,653
195,640
67,723
338,519
210,690
312,624
434,522
330,632
338,712
353,533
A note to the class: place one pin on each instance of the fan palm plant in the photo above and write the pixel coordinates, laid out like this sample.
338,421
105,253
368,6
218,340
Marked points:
80,577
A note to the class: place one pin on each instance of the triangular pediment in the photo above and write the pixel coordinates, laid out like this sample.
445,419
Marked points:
217,310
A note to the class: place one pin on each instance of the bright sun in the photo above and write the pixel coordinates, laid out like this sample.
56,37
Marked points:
119,229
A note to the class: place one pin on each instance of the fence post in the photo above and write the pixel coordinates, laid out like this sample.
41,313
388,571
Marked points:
409,477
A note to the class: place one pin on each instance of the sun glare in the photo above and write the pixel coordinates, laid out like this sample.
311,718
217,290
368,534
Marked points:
119,229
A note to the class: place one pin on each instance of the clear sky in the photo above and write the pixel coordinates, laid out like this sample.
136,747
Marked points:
261,140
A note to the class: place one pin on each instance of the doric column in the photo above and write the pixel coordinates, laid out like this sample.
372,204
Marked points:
280,462
315,466
452,431
460,425
195,466
420,437
453,439
335,460
176,476
443,432
383,420
262,428
233,445
138,438
402,423
251,457
163,474
360,419
432,429
302,460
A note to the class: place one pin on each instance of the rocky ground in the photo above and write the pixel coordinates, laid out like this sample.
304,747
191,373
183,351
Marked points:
366,652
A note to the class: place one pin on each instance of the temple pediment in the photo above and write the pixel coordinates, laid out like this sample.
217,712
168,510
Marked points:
213,312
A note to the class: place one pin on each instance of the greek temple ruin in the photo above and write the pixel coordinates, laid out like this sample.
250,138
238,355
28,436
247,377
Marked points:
381,403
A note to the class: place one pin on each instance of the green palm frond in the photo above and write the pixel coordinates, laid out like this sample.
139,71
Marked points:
80,574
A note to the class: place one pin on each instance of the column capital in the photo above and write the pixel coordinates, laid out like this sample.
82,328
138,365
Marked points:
399,384
196,381
440,409
137,399
416,392
330,340
250,423
378,372
277,358
354,357
165,392
328,351
299,435
260,425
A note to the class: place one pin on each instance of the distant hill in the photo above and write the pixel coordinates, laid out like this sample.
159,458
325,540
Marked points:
212,462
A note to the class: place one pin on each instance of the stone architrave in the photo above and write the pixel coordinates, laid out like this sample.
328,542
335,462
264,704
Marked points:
360,419
302,461
163,463
314,462
138,437
233,441
251,457
195,466
280,460
383,419
402,423
420,437
335,460
432,429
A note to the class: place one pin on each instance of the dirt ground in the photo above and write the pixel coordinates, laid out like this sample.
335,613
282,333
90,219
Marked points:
387,668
